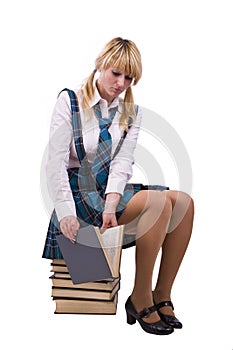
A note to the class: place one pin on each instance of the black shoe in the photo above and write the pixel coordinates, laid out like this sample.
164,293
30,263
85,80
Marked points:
159,327
169,320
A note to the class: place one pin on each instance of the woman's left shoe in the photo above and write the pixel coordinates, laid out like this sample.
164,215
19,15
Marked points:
159,327
170,320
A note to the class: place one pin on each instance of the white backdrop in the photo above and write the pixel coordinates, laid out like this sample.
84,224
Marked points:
187,79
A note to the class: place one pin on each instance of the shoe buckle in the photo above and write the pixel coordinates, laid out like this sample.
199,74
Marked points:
146,313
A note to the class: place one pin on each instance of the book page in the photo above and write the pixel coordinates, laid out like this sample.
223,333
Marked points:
111,242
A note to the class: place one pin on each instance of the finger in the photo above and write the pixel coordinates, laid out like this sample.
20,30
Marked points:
64,229
67,231
114,222
103,227
70,237
72,231
75,224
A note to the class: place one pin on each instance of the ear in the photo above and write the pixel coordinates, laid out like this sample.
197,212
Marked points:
98,69
100,74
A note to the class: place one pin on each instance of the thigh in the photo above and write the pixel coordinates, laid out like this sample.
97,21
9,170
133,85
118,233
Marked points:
134,208
139,203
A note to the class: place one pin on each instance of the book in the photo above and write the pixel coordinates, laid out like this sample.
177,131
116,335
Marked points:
62,272
62,275
95,255
59,268
78,306
79,293
83,298
98,285
58,262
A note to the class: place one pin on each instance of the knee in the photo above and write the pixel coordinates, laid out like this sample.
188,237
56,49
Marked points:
182,204
160,202
186,201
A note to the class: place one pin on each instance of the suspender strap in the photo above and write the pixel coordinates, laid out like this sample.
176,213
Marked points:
76,124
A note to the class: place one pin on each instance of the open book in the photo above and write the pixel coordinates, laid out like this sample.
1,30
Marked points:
95,256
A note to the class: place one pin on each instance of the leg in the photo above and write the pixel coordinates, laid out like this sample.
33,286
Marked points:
152,210
174,246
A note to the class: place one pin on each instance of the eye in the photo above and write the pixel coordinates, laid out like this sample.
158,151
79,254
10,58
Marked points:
127,77
117,74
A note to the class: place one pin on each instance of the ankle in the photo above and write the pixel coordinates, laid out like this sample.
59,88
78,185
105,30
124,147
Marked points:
142,300
160,295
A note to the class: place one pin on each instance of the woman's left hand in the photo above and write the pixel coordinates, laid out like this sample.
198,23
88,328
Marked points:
109,220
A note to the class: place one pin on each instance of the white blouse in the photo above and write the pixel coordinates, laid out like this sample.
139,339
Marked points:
62,154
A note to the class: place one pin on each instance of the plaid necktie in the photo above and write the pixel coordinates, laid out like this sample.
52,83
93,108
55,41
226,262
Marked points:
100,166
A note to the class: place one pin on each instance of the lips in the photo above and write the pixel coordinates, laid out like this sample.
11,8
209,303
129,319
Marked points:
117,91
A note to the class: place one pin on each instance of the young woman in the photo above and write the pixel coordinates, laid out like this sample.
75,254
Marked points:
93,136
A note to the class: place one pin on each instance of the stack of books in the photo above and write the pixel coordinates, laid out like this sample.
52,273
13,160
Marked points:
98,297
87,280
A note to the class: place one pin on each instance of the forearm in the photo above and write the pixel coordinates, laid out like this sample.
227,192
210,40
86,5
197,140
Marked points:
112,200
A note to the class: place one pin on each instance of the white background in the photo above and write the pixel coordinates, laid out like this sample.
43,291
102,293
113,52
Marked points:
187,56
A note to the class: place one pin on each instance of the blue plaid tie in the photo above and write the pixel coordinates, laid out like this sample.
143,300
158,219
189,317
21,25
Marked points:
100,166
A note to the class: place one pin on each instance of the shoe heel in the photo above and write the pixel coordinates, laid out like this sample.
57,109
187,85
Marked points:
130,319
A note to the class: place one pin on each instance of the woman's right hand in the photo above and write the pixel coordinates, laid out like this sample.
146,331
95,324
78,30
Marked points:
69,226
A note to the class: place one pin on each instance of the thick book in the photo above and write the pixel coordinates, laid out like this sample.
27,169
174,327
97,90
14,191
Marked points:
63,275
61,271
103,285
59,268
95,255
58,262
78,306
75,293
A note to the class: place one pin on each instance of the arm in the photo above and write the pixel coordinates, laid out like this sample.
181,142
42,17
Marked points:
120,170
61,136
120,173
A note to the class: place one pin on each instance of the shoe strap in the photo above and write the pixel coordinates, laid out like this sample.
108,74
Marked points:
164,303
145,313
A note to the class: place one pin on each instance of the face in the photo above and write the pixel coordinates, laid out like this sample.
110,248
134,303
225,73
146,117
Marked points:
112,83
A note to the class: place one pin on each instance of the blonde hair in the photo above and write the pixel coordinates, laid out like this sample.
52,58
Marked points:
122,55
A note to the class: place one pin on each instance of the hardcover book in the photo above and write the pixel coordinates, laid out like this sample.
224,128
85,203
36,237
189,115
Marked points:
107,285
75,293
78,306
94,256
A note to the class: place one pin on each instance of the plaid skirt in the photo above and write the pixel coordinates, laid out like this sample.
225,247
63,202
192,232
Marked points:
89,208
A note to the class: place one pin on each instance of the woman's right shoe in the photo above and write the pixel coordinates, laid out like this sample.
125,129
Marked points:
160,327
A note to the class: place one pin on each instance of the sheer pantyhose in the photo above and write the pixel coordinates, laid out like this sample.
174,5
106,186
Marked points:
164,220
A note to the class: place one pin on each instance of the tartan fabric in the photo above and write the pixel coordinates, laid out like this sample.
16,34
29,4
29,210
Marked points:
77,126
89,198
100,167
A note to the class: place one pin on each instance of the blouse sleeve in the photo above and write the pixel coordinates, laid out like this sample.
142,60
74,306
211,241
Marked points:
61,136
120,170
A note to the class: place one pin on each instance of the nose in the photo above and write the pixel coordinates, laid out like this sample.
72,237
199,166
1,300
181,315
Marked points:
120,81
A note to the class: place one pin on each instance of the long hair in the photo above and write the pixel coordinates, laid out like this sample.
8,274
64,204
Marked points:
122,55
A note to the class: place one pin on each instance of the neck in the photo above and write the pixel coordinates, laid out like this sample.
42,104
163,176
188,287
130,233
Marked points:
103,93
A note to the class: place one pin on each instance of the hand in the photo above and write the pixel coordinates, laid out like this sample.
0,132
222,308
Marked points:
69,226
109,220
